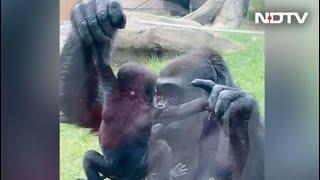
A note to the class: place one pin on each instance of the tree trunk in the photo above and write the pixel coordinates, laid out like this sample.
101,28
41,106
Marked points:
221,13
206,13
231,14
195,4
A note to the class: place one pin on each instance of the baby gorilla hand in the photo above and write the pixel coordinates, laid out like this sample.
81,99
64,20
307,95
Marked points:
179,170
97,20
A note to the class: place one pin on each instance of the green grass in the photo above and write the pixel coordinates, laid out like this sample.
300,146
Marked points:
246,66
254,5
74,142
155,63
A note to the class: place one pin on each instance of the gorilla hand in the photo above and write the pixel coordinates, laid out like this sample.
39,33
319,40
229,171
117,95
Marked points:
179,170
97,20
227,103
237,113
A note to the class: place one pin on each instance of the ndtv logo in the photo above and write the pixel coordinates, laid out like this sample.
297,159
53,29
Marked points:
279,17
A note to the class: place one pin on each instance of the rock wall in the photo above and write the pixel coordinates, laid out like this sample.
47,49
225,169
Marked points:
148,35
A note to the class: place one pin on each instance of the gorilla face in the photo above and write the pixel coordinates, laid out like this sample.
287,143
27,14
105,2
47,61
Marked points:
174,81
174,88
173,91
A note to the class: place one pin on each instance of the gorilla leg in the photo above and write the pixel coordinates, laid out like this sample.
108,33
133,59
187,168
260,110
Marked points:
126,163
94,164
110,165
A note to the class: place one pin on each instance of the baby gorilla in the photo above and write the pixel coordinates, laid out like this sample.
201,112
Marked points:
127,117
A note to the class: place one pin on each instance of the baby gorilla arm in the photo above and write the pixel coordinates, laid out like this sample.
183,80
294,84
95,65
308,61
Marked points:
106,75
174,113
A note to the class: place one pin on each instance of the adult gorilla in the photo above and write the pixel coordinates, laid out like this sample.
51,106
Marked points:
224,143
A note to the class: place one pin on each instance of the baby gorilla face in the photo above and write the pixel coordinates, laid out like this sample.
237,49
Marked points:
137,80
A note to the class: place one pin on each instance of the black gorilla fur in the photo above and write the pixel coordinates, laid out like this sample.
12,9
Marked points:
125,128
196,140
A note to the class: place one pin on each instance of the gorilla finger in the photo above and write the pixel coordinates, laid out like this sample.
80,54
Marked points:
182,170
245,106
103,17
183,166
221,107
224,100
215,94
106,25
123,23
93,25
96,31
85,33
117,18
181,174
80,23
206,85
247,100
177,166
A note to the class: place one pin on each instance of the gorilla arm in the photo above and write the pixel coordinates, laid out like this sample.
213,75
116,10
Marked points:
103,18
237,112
93,21
174,113
107,78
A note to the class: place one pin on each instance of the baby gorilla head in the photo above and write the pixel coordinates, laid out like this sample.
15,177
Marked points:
137,80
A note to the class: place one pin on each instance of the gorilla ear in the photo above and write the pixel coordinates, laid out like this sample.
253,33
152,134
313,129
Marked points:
206,85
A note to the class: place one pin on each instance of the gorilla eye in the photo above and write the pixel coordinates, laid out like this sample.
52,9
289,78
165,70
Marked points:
172,93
